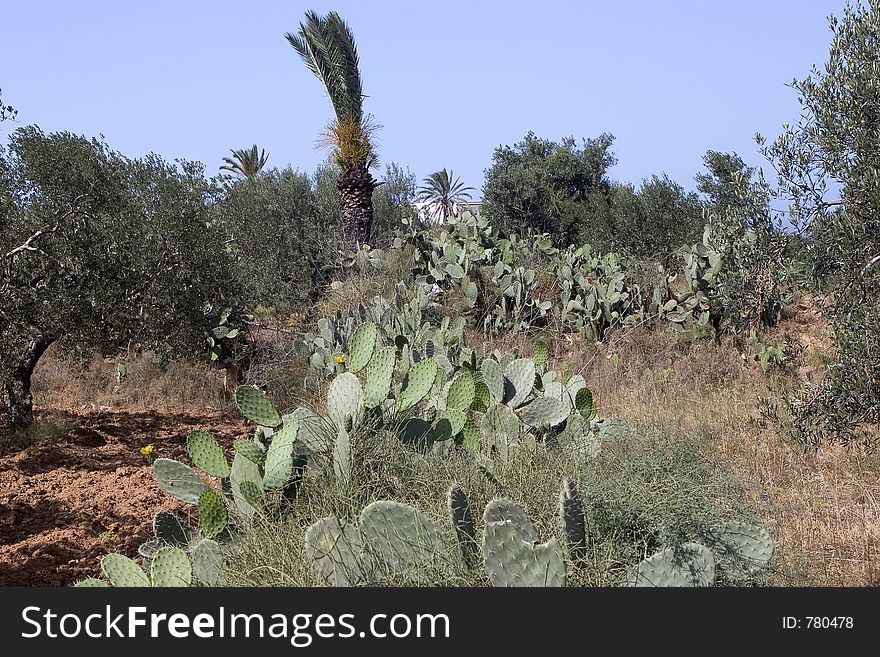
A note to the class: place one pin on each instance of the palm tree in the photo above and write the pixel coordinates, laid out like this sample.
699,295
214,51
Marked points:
247,163
441,194
327,46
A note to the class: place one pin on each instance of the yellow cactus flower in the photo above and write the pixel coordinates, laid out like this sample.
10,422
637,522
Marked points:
147,453
340,358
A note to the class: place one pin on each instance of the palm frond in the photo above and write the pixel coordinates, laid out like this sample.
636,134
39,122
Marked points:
327,46
247,163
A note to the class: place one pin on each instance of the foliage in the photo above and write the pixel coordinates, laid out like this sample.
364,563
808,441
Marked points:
7,112
554,188
828,168
278,237
393,201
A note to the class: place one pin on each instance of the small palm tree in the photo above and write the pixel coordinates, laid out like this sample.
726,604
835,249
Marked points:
441,194
327,46
247,163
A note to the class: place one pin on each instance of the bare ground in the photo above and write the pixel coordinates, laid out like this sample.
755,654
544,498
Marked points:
67,501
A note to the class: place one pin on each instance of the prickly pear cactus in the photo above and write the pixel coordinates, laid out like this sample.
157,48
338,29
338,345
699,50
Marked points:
122,571
404,539
249,450
168,529
741,550
245,475
493,378
363,342
380,374
540,353
544,412
688,565
338,550
171,567
207,562
461,392
342,456
178,480
502,510
499,431
213,516
419,381
583,402
280,457
255,406
345,401
511,561
572,522
521,374
206,453
463,523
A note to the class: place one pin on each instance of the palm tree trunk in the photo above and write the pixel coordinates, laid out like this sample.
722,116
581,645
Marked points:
355,187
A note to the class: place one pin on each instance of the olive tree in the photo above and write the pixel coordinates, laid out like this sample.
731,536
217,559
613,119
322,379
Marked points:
828,167
97,252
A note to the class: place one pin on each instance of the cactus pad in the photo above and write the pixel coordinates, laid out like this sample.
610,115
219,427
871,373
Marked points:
461,392
171,567
255,406
449,424
249,450
741,549
540,353
520,373
544,411
245,473
91,583
499,431
168,529
122,571
339,552
206,453
463,523
572,523
418,383
404,539
363,342
493,378
583,402
380,373
178,480
482,397
511,561
342,456
687,565
279,457
207,560
345,401
213,516
502,509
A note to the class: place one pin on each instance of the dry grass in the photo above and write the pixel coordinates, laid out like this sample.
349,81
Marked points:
822,508
181,387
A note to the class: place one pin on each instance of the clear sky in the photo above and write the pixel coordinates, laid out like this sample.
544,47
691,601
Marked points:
448,81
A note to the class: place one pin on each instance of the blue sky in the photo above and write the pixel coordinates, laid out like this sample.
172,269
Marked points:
449,81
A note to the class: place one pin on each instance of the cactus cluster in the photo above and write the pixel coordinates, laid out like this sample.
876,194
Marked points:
169,567
391,539
734,551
